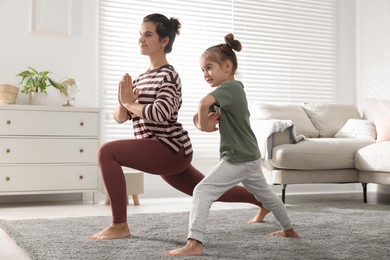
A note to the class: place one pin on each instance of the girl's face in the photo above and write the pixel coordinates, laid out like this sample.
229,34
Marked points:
215,73
149,41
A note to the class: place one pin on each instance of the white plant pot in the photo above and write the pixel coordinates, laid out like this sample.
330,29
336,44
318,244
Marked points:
37,98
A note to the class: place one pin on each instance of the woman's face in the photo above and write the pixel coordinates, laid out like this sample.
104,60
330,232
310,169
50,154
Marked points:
149,41
214,73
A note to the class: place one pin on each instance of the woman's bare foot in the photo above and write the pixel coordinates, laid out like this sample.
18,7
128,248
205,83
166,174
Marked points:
285,233
120,230
192,248
260,215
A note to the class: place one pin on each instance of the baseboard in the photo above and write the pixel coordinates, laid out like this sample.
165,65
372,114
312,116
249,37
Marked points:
40,198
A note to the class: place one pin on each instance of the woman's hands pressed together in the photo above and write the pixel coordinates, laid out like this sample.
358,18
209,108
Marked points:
126,94
127,98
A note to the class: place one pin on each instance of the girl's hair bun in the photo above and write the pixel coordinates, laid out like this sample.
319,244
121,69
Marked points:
232,43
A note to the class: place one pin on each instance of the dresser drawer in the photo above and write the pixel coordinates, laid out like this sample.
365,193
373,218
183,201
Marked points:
48,150
49,123
24,179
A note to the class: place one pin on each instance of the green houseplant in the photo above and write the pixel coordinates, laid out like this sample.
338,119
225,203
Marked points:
34,81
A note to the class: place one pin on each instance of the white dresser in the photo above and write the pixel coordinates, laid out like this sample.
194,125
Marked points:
49,149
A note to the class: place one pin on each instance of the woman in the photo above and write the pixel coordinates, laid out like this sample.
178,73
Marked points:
161,145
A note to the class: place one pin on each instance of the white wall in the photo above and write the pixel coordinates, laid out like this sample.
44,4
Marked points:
346,75
73,56
373,49
77,56
65,56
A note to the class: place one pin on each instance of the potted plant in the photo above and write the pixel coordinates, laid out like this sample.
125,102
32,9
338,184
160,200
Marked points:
35,83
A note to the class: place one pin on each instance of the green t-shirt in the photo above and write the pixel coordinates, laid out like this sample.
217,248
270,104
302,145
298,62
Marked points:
238,142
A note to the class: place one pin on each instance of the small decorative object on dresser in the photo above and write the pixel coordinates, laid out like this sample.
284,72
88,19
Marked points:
47,149
35,83
70,90
8,94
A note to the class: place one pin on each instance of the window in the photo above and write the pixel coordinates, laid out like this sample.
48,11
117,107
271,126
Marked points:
289,52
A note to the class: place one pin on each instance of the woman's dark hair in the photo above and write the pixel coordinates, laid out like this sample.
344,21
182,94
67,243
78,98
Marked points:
165,28
225,51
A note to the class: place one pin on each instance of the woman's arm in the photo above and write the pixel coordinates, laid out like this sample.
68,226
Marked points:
121,114
167,99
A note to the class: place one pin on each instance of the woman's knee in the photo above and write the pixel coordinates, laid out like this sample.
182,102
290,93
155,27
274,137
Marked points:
104,151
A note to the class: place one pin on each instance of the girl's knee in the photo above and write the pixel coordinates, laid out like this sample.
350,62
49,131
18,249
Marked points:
197,190
205,191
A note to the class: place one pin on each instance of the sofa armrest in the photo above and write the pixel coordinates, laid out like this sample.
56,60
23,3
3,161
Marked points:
272,132
279,138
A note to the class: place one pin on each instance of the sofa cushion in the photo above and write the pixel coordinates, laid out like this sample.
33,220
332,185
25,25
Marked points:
357,128
376,108
374,157
327,118
383,129
318,154
293,112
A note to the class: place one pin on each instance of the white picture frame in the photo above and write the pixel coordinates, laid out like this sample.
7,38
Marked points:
51,16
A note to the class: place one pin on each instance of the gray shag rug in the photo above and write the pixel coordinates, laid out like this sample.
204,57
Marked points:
333,231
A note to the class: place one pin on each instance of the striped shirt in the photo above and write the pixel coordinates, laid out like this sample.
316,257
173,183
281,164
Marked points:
160,92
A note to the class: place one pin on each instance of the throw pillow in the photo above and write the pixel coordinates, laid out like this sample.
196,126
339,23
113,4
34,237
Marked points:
293,112
383,129
328,118
358,129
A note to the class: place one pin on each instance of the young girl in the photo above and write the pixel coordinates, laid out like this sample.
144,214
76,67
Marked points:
161,145
239,151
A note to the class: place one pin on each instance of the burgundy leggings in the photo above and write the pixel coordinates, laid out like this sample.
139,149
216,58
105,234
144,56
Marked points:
153,157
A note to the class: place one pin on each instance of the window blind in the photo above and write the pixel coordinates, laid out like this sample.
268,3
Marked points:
289,52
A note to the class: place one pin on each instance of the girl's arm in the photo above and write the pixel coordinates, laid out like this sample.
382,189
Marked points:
204,120
196,121
214,116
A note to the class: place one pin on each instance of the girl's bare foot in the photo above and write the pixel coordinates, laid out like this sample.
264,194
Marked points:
285,233
120,230
260,215
192,248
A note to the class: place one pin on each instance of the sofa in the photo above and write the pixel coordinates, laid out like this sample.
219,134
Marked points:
320,142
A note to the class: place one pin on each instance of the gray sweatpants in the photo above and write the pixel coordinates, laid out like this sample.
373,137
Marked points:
224,176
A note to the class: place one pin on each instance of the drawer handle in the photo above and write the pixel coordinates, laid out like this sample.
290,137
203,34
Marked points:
8,150
81,150
7,178
81,123
8,122
81,177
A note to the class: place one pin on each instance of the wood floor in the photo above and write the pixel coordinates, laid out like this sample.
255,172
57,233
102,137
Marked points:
10,251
